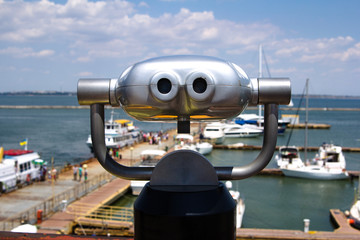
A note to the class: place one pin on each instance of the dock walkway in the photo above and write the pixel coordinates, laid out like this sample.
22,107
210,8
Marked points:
63,222
24,203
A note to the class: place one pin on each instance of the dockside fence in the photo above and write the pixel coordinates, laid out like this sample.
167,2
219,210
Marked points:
56,203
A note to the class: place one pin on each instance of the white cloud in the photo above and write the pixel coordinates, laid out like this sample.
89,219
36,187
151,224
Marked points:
283,71
93,28
86,33
143,4
26,52
318,50
84,74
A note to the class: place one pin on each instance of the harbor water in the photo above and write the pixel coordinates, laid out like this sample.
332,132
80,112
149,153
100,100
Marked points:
271,201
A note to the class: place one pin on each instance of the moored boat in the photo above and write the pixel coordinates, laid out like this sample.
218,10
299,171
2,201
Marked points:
186,141
119,133
354,215
214,132
149,158
233,130
257,120
288,155
328,165
19,167
240,204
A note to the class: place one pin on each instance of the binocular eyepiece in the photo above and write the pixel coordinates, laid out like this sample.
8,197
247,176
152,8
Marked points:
184,88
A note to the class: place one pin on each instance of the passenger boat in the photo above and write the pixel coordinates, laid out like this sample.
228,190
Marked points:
328,165
233,130
288,155
119,133
214,132
186,141
19,167
149,158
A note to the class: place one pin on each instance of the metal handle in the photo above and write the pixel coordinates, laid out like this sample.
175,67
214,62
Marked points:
265,155
98,139
223,173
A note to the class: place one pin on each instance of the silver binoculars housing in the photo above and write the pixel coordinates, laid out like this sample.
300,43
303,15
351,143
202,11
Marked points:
184,88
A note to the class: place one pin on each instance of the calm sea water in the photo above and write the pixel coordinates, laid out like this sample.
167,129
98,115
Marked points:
271,202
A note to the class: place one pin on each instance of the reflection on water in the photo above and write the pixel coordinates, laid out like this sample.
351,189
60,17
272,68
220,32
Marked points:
283,202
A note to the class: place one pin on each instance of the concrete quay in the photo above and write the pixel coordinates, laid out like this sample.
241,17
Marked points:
23,205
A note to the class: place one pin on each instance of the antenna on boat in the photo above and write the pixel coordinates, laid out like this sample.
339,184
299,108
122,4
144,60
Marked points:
184,89
306,118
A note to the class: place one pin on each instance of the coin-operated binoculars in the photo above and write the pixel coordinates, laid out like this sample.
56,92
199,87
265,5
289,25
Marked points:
184,198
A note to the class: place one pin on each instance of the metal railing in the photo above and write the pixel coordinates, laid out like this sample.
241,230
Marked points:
88,212
56,203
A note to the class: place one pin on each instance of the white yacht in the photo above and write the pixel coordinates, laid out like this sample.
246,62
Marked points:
233,130
214,132
186,141
328,165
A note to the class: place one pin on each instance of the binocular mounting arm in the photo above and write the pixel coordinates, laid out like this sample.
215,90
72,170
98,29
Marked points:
144,173
266,153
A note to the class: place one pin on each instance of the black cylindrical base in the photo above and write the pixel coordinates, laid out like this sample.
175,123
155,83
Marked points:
185,212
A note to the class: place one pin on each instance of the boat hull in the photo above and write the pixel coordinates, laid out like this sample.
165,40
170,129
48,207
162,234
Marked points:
137,186
242,134
204,148
314,174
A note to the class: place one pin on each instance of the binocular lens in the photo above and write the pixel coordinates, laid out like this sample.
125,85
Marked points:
164,85
199,85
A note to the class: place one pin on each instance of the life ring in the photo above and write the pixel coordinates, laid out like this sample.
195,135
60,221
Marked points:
28,178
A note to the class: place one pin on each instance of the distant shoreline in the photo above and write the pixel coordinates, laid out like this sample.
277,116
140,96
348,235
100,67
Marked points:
37,93
87,107
56,93
327,97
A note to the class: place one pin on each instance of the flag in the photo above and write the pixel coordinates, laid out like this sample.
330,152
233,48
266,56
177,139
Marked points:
23,142
1,153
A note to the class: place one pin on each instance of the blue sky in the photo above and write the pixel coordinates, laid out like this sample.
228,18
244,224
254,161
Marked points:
49,45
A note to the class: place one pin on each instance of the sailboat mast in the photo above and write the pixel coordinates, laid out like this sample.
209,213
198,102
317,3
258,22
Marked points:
260,76
260,61
306,118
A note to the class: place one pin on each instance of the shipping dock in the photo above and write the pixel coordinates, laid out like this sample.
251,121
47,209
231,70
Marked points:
82,208
74,218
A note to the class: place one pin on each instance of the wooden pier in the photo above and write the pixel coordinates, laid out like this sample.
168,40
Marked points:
310,126
343,231
256,147
63,222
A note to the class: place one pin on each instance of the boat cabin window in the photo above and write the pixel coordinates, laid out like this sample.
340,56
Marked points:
289,153
332,157
212,130
21,168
